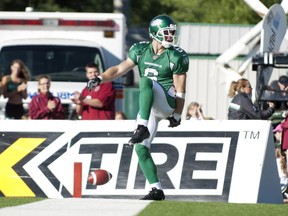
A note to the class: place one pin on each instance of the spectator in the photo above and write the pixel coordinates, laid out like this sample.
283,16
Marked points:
1,88
281,161
15,89
241,106
194,112
44,105
276,92
284,137
280,93
119,115
278,135
98,104
281,106
283,83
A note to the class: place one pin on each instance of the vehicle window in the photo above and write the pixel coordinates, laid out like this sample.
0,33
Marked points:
61,63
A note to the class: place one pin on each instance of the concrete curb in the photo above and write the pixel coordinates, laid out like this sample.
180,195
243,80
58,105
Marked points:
78,206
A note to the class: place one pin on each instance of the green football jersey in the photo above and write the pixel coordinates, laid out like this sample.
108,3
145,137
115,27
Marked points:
160,68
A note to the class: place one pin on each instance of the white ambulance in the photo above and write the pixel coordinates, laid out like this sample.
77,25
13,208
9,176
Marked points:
60,44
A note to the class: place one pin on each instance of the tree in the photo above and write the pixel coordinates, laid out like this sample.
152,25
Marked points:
196,11
141,12
59,5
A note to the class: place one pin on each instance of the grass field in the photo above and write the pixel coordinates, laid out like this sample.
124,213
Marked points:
175,208
181,208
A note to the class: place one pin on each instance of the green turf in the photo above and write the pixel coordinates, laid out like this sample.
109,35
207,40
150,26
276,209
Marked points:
7,201
175,208
181,208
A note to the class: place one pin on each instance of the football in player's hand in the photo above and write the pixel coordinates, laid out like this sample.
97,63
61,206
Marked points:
99,177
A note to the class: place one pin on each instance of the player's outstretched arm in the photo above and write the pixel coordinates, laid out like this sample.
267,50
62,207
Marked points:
114,72
111,73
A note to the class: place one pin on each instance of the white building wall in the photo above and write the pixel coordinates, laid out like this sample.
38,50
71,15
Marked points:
210,39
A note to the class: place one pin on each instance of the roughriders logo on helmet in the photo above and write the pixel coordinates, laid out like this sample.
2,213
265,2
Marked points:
163,29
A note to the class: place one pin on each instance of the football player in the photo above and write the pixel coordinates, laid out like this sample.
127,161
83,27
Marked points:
162,70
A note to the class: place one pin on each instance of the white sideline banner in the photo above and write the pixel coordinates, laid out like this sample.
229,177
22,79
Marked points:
211,160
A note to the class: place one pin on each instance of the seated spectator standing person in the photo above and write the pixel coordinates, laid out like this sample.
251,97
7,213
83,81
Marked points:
283,86
283,83
241,106
276,92
281,161
194,111
44,105
98,104
1,88
119,115
14,88
282,96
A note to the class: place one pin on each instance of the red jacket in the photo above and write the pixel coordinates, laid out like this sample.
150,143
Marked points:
106,94
38,107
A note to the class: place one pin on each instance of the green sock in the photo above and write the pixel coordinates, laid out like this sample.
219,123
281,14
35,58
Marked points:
146,163
146,97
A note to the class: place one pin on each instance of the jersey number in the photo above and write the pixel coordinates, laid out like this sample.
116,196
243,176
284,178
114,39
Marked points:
151,73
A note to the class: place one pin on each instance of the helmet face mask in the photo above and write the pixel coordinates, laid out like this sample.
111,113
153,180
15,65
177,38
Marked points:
163,29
